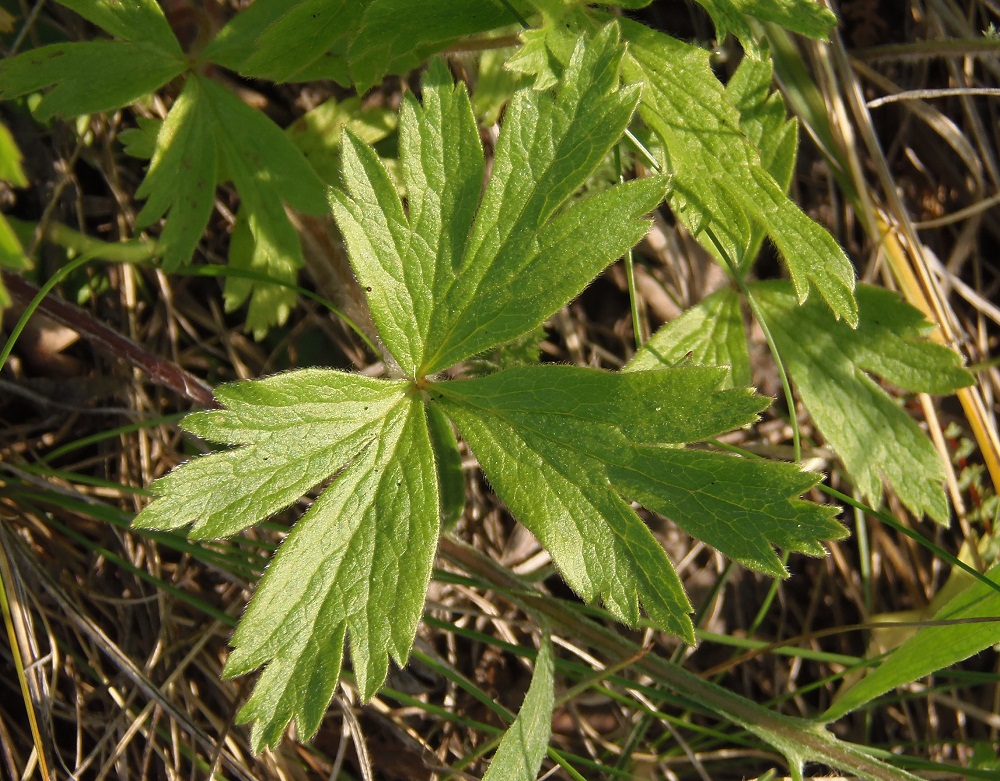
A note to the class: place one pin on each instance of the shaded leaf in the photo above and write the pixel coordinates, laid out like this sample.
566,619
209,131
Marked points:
351,42
208,124
710,333
258,148
11,170
806,17
830,364
83,78
317,133
395,36
12,255
130,20
299,35
181,179
140,141
719,181
257,35
522,748
495,85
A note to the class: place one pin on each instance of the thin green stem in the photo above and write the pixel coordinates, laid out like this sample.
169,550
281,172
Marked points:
772,346
515,13
135,251
765,606
797,738
110,433
241,273
29,310
888,520
633,297
864,557
642,150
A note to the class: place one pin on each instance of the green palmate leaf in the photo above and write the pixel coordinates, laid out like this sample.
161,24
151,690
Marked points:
295,430
710,333
644,407
720,183
457,281
522,749
932,648
447,276
801,16
828,363
83,78
376,528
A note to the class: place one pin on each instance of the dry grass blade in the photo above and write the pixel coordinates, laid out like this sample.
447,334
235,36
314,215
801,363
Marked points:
23,647
38,577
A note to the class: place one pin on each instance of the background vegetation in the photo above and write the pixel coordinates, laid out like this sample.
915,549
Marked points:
119,638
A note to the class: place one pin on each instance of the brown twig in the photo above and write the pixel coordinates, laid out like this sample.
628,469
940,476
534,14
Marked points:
109,341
